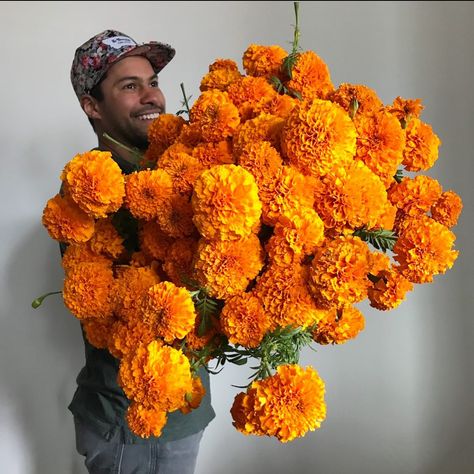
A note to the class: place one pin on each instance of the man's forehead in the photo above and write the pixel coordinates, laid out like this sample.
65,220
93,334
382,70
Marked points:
136,66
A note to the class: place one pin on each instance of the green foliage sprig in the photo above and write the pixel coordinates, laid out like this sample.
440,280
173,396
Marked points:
381,239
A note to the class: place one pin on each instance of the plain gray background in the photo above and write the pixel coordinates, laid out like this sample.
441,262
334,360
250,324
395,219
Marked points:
399,397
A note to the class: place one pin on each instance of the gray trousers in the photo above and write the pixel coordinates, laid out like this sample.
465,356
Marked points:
114,457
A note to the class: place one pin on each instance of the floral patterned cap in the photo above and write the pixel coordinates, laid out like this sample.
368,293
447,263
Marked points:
96,55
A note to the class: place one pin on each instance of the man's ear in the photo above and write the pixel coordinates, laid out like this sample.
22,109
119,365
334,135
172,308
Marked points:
90,106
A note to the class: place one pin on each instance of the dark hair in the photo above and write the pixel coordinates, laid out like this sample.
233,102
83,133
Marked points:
97,94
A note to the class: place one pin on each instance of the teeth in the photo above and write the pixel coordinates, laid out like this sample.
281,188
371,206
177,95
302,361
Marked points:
148,117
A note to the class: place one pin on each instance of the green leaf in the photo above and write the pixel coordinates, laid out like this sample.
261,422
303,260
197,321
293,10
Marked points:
398,176
381,239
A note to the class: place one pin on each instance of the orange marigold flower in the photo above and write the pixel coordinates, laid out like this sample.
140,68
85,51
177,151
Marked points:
415,196
225,202
286,405
131,287
178,262
163,132
98,331
127,335
339,325
338,272
226,267
210,154
248,92
262,160
424,249
190,136
288,190
285,296
244,321
88,289
380,143
156,375
145,421
146,191
280,253
183,169
310,76
389,290
173,151
347,94
170,309
350,197
196,341
66,222
278,105
95,182
222,63
263,61
153,241
81,253
219,79
406,109
264,127
194,397
447,209
318,136
106,240
386,219
422,144
215,115
379,262
176,218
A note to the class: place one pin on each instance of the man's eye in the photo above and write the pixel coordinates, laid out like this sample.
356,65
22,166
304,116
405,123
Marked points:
129,86
154,84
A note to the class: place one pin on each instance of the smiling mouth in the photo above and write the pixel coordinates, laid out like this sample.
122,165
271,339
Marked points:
148,116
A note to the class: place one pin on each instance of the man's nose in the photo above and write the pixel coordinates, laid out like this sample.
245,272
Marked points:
150,95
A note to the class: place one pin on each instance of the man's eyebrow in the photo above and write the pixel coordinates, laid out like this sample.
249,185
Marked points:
135,78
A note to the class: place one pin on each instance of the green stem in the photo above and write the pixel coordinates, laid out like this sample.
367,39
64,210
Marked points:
296,34
185,103
136,153
36,303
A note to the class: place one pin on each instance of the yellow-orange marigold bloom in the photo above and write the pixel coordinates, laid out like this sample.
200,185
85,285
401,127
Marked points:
174,150
225,202
389,290
178,262
367,99
131,286
249,91
415,196
310,76
145,421
196,341
288,190
285,296
379,261
264,127
406,109
219,79
190,136
380,143
106,240
153,241
127,335
95,182
339,325
422,146
210,154
223,63
81,253
146,191
338,272
194,397
183,169
244,321
318,136
66,222
163,132
88,289
262,160
156,375
286,405
266,61
279,106
176,218
226,267
424,249
98,331
215,115
350,197
170,309
447,209
280,253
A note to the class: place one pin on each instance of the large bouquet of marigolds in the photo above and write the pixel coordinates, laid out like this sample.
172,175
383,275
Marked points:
249,231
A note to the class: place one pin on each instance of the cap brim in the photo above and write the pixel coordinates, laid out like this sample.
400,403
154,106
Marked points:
158,54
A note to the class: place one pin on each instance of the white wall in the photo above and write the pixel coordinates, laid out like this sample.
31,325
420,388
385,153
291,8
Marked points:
400,395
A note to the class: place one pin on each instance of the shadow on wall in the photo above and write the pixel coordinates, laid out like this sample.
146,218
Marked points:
41,354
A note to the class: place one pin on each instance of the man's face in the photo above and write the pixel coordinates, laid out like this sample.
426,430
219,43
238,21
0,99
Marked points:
132,100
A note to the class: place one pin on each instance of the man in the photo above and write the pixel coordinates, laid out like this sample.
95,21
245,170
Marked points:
116,82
